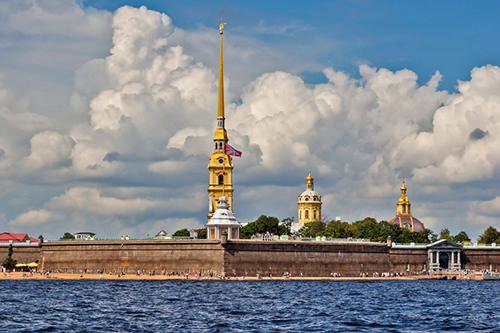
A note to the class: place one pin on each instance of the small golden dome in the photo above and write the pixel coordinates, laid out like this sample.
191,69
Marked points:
403,198
309,179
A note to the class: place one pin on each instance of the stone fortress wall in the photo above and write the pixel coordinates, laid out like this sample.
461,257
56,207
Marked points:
130,256
239,257
482,257
309,258
22,252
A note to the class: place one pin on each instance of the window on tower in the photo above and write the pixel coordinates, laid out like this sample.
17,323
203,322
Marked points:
307,214
221,179
300,215
314,214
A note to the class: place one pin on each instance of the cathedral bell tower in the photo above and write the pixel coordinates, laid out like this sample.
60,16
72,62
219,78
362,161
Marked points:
220,167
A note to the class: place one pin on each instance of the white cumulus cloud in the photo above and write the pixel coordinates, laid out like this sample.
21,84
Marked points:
127,149
34,217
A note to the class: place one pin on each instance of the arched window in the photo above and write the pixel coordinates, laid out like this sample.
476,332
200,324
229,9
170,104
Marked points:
314,214
404,208
307,214
221,179
300,214
216,145
220,145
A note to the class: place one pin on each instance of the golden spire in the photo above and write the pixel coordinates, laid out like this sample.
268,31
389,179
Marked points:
220,110
220,132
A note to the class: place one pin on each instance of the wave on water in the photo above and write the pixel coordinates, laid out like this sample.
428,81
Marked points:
250,306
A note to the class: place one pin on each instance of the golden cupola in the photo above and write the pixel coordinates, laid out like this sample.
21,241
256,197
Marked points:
310,182
404,205
309,203
404,217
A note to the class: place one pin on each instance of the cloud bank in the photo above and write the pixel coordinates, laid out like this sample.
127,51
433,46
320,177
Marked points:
126,152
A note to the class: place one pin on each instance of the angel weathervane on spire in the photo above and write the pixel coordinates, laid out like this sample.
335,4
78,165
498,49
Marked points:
221,26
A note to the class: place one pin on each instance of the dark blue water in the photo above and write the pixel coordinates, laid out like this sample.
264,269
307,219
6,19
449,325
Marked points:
249,306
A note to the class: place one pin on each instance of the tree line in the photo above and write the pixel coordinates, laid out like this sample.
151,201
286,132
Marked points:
368,228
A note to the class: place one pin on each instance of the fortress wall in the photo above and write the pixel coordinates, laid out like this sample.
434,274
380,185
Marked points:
310,258
237,256
480,258
21,253
415,258
133,255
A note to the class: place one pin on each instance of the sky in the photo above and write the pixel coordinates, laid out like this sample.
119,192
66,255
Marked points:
108,111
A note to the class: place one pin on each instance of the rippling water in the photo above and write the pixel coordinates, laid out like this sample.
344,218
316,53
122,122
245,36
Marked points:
249,306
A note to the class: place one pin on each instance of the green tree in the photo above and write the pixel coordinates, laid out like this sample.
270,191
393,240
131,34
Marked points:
285,226
268,223
262,225
367,229
490,235
181,233
9,263
67,236
247,231
338,229
202,233
461,237
417,236
445,234
312,229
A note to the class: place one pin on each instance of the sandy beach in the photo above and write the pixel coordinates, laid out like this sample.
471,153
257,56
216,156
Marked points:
75,276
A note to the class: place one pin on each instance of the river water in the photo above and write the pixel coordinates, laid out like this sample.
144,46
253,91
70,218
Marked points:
249,306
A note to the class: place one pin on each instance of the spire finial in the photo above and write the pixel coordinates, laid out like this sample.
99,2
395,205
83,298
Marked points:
310,181
403,193
221,26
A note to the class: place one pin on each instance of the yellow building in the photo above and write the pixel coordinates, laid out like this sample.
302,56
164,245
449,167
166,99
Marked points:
309,203
220,167
404,217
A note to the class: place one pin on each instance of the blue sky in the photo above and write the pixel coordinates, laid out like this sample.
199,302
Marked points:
424,36
107,113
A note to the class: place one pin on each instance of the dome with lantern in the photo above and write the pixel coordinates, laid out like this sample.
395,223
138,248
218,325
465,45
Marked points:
404,217
223,220
309,195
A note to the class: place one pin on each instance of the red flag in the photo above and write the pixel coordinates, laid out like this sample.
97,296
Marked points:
231,151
